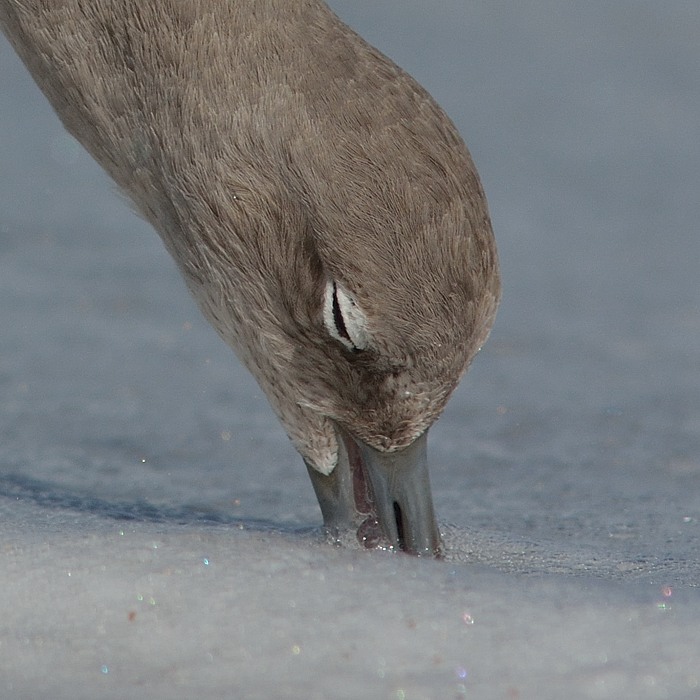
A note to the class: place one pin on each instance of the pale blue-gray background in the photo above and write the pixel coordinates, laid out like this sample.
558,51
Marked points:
570,452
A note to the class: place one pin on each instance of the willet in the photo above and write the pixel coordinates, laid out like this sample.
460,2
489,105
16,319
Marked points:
321,207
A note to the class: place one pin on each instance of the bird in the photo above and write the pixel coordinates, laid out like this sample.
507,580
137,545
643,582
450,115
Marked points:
323,210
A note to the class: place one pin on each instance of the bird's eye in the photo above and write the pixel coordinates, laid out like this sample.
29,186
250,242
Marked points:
343,318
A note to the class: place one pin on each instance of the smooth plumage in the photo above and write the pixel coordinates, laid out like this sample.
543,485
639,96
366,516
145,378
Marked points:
321,207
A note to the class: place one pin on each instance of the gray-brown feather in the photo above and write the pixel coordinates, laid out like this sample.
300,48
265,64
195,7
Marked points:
273,149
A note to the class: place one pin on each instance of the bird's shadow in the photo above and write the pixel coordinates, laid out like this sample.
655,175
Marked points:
15,487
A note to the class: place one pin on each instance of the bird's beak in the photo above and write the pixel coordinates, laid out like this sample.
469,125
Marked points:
400,488
385,495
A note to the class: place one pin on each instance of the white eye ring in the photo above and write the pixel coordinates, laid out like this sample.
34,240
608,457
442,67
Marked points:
343,318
